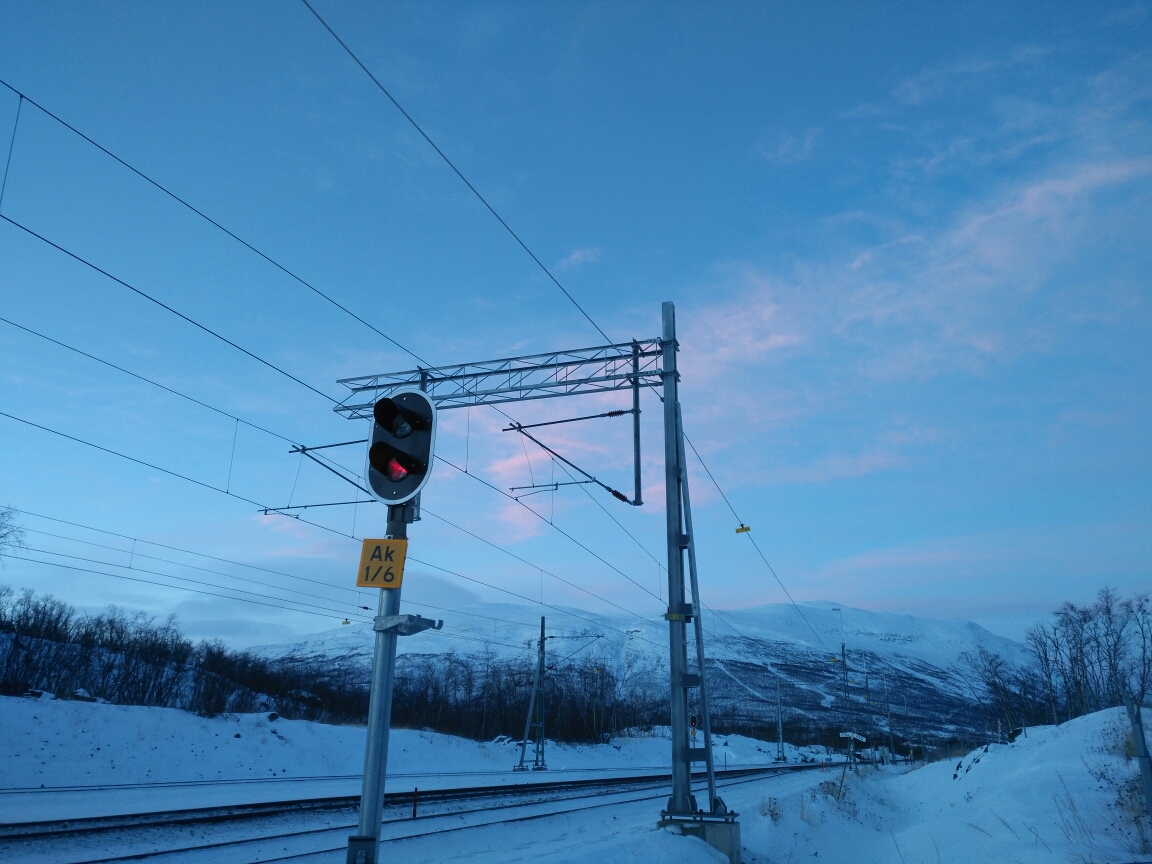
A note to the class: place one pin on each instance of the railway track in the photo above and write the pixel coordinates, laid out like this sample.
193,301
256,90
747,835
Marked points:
504,804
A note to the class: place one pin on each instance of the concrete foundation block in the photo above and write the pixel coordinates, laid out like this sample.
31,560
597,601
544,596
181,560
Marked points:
723,835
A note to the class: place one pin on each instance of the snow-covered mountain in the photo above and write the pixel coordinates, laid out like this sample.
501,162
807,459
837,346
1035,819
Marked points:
910,666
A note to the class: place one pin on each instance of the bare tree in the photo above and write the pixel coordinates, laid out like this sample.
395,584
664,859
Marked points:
11,534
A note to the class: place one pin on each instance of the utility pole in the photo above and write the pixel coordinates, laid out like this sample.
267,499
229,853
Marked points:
399,457
888,709
388,624
714,823
535,719
1141,745
779,725
849,730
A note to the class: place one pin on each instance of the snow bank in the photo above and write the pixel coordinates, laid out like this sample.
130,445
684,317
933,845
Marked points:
1061,794
49,744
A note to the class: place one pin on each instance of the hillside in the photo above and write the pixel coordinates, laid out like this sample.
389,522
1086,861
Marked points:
916,661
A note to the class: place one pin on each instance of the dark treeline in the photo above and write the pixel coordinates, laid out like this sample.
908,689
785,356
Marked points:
1080,662
131,659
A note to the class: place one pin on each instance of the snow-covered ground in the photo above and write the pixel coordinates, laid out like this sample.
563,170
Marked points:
1058,795
162,758
1061,794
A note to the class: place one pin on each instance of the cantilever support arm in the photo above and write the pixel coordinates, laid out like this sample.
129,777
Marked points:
613,492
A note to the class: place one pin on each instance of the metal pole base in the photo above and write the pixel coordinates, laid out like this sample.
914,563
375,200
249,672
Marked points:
722,833
361,850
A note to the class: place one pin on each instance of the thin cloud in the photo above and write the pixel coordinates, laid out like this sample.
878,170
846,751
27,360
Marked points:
577,257
788,149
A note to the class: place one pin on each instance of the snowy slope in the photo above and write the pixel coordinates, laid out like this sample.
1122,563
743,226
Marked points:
916,658
1061,794
53,744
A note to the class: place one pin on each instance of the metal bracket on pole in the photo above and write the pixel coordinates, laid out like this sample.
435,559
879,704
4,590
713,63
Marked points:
404,625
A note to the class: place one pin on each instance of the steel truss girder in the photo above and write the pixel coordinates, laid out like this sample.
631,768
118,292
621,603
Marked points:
518,379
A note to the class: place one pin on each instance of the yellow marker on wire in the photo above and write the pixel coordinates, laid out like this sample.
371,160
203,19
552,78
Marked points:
743,529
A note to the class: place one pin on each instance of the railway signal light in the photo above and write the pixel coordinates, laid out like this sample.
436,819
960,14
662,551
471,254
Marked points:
401,446
692,721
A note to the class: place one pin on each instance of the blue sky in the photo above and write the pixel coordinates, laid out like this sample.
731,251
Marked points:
908,248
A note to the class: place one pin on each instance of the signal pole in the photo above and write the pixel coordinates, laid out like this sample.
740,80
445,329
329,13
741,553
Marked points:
779,725
535,719
399,457
388,624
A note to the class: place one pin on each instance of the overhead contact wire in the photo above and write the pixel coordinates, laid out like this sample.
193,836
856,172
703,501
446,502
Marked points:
456,170
208,219
165,306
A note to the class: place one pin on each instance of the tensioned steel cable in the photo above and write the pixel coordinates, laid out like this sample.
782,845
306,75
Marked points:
496,546
524,246
139,554
754,543
204,216
219,411
176,549
11,147
164,585
297,518
192,581
23,97
110,365
240,240
136,554
179,199
164,305
455,170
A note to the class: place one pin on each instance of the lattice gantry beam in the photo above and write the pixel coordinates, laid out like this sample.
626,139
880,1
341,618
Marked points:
516,379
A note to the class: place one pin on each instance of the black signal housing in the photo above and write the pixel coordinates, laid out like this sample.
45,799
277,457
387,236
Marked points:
401,445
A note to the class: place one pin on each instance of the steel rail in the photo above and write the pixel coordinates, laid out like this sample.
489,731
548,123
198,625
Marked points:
745,775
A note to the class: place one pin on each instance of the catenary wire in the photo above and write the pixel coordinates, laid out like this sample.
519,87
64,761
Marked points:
456,170
230,416
11,147
754,543
311,287
500,548
136,554
165,585
139,554
163,305
168,389
452,631
297,518
227,492
209,219
184,551
184,579
283,438
269,259
23,97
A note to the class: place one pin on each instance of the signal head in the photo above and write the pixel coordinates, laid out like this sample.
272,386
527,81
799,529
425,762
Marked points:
401,446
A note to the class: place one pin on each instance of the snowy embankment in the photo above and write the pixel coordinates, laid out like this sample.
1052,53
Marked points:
176,759
1061,794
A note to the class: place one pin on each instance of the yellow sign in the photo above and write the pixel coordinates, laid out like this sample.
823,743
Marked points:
382,564
743,529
